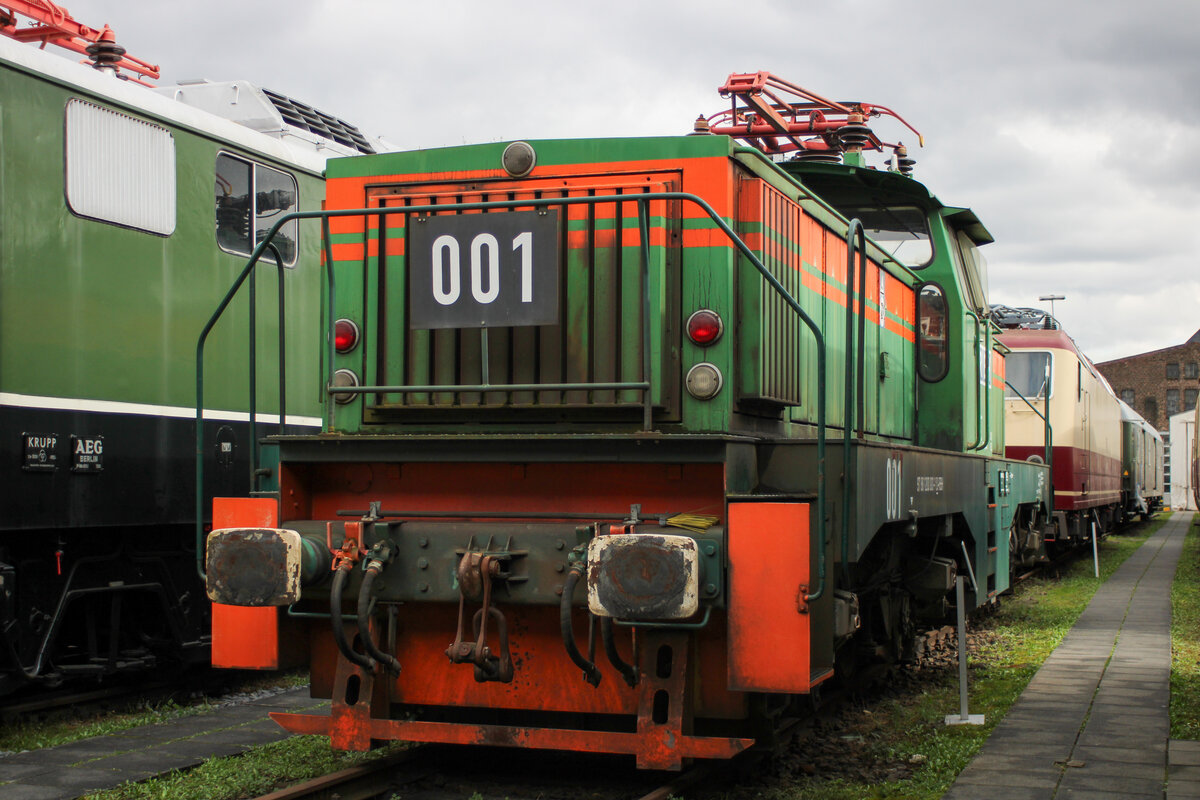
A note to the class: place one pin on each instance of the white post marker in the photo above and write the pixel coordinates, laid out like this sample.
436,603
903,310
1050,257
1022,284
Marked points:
1095,551
962,717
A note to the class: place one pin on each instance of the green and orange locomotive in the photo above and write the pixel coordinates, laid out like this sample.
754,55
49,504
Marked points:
629,443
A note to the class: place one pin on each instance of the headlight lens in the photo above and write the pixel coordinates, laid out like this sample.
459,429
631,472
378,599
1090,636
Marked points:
704,381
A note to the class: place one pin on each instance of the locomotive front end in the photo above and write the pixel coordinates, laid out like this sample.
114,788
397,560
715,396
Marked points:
518,515
582,401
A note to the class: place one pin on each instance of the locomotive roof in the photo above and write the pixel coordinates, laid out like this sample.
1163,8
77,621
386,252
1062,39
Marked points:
845,185
1130,416
1056,339
139,99
1050,338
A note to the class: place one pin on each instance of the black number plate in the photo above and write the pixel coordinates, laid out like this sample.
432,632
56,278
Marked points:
483,270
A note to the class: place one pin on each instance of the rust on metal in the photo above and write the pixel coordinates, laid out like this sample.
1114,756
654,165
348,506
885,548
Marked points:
357,697
253,566
476,572
643,576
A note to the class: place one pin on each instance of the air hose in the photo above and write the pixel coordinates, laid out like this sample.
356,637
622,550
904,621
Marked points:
628,671
590,673
335,618
374,567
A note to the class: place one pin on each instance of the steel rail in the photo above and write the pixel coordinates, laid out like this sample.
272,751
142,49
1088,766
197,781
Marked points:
378,778
360,782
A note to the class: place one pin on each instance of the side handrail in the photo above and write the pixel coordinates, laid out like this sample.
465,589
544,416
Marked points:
852,416
643,200
983,408
1048,432
254,471
264,245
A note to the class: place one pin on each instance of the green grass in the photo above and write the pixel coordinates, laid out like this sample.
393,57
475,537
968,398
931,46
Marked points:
1019,636
253,773
1029,624
65,727
36,735
1185,640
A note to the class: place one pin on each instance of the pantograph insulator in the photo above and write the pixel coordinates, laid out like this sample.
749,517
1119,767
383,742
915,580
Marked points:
820,156
105,55
854,135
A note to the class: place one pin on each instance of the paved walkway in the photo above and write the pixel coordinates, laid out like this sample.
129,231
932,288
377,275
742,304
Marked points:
71,770
1092,725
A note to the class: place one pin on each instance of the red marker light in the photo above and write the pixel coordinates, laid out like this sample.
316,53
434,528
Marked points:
704,327
345,335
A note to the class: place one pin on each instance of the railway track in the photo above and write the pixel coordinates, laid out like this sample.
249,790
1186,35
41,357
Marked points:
420,772
38,704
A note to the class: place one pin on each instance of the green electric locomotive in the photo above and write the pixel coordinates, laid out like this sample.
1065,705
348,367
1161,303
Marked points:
697,419
127,209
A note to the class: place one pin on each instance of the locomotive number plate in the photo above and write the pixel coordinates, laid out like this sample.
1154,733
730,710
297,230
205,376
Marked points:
483,270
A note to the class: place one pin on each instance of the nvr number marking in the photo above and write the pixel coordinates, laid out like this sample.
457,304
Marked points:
484,270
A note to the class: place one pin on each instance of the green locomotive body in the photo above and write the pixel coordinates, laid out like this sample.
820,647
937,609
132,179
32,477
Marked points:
110,265
753,407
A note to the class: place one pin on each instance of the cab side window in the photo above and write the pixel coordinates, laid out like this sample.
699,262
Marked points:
933,342
249,199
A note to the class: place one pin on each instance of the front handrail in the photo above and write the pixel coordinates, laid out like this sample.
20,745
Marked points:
643,200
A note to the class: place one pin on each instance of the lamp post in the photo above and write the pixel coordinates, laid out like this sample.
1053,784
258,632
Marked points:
1052,298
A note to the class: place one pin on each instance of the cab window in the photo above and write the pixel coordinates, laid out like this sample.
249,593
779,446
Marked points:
1026,371
971,267
249,199
902,231
933,344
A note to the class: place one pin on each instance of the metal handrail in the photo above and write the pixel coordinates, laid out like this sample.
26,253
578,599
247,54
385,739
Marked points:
856,242
264,245
1048,433
643,200
983,435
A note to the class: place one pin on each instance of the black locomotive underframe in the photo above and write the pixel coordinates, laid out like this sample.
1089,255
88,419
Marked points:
98,568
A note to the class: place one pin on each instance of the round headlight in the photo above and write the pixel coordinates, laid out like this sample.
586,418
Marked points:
341,378
519,159
704,381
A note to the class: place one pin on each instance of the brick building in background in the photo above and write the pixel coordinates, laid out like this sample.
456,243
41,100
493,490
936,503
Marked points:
1158,384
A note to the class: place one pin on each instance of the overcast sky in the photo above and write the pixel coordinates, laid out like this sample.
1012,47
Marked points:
1071,128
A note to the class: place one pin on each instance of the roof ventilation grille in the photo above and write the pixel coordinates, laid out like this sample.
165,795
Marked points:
310,119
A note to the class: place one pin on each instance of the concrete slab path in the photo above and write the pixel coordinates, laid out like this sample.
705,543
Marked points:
1093,721
89,765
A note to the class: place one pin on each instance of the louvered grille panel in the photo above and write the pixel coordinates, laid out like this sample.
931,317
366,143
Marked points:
119,168
774,337
598,339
